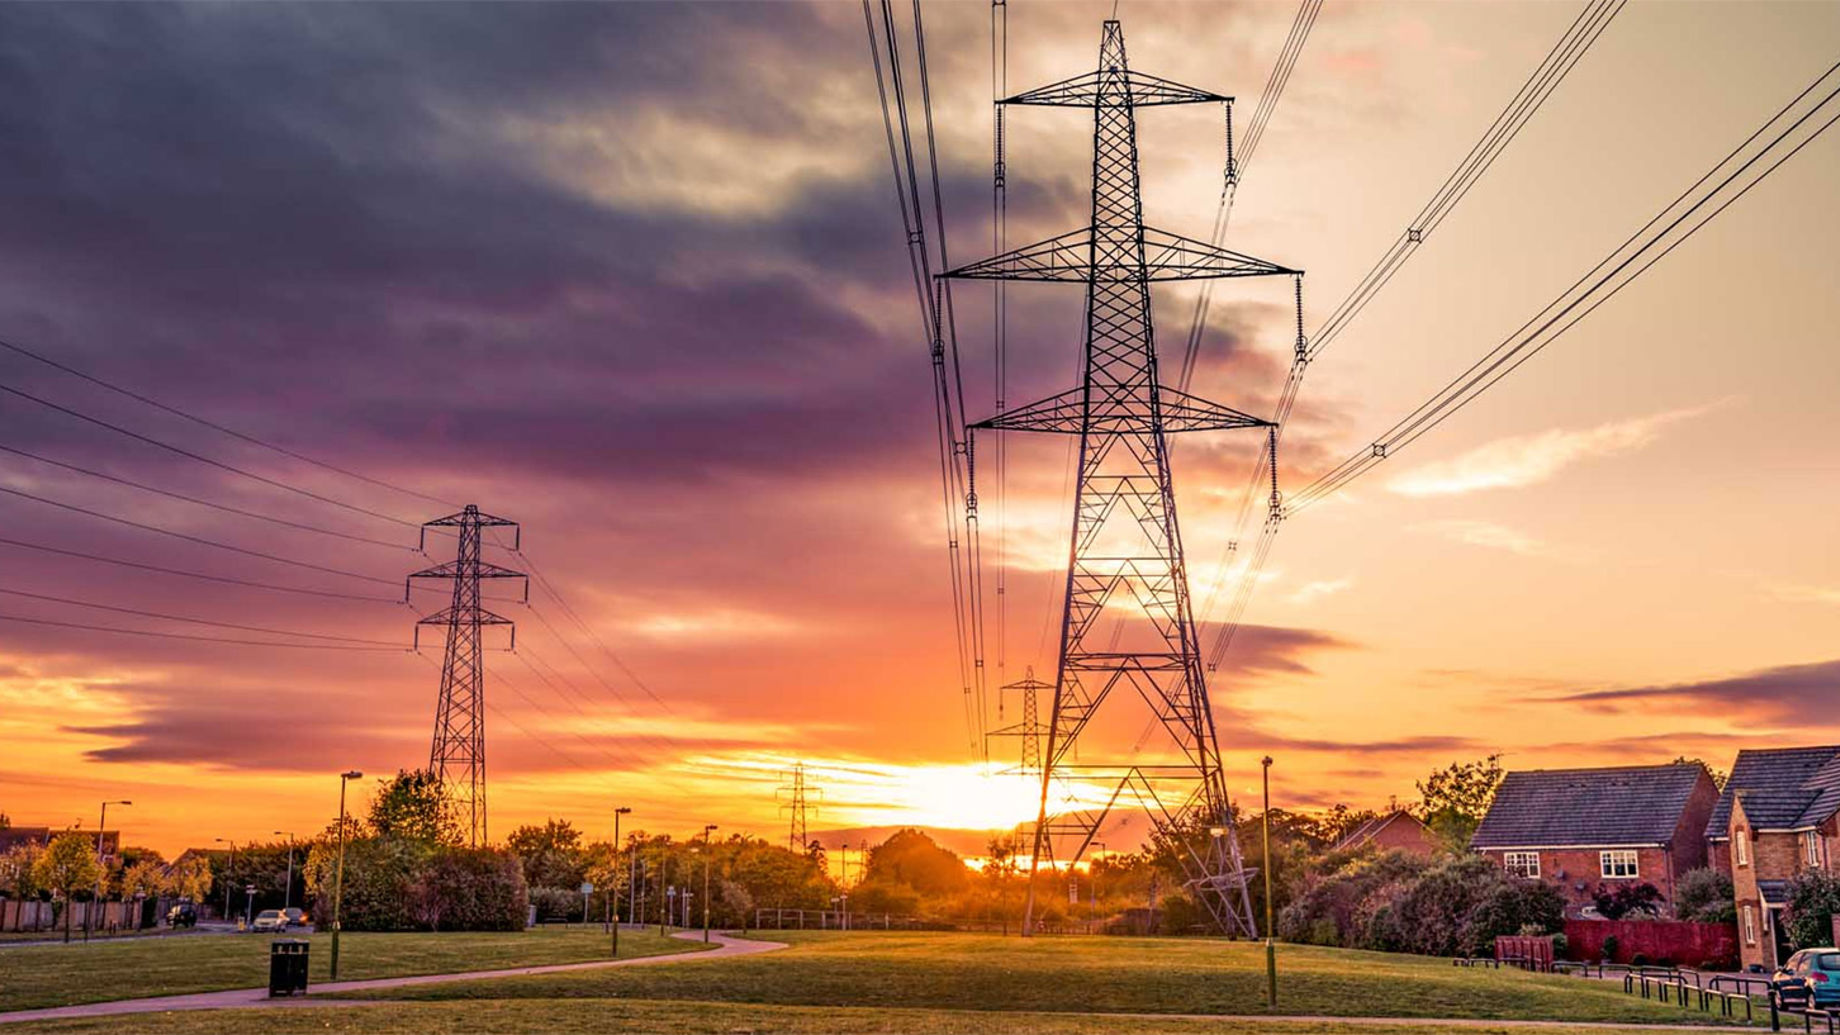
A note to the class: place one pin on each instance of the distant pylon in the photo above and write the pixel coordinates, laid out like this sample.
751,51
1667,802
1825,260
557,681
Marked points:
795,798
458,754
1126,554
1030,729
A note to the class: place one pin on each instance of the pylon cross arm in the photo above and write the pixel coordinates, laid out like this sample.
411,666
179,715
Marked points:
1069,258
1144,91
1175,411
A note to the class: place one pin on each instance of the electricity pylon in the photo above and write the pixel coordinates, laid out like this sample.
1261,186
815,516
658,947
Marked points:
458,755
1030,729
794,799
1126,554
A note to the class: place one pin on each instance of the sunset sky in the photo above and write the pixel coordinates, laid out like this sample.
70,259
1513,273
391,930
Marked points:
632,275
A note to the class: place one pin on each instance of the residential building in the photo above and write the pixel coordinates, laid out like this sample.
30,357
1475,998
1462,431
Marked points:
1775,819
1396,830
11,837
1582,829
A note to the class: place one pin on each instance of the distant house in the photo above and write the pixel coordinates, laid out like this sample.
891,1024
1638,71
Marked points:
12,837
1581,828
1388,831
1775,819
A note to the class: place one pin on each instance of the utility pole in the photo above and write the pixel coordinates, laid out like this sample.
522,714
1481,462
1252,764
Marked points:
794,798
458,755
1271,948
229,869
1125,558
338,873
613,889
102,866
287,894
667,895
1029,729
708,850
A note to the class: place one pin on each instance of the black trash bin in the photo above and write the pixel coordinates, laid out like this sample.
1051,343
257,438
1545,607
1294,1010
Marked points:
287,967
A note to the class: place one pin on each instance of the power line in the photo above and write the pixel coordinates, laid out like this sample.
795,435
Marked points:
225,508
201,458
1669,229
199,639
201,540
232,432
195,621
250,583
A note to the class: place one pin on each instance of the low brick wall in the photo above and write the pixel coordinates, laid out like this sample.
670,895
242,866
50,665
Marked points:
1656,941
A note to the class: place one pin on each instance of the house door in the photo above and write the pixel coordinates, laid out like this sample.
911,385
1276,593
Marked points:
1779,946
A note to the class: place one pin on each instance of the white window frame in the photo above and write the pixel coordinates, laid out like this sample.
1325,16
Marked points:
1612,859
1522,864
1811,848
1741,840
1750,924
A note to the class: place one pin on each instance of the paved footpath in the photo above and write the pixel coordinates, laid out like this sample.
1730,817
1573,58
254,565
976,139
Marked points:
726,946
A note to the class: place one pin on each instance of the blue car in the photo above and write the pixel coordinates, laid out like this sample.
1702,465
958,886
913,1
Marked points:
1811,977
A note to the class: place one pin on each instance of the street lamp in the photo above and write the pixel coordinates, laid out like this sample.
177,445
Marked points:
706,854
1271,948
229,869
667,896
338,875
287,893
670,907
613,882
1092,878
102,866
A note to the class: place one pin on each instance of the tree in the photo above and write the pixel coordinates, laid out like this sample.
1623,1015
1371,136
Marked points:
1814,898
1704,895
1453,800
68,865
16,870
189,878
1719,776
413,805
912,859
552,854
1627,900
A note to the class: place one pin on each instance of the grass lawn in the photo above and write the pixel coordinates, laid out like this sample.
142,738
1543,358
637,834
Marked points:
33,976
573,1016
925,971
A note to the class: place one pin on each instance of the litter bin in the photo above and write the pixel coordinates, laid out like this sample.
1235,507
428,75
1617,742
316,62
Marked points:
287,967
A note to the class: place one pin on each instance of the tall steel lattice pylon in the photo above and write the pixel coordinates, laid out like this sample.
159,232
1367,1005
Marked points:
795,798
1126,552
458,755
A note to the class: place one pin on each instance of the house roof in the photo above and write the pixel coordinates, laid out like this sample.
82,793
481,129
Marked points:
1371,827
1774,892
1783,788
1626,805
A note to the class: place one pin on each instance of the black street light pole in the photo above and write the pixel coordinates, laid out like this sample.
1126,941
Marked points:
1271,948
338,876
102,866
667,895
229,868
613,882
706,854
287,893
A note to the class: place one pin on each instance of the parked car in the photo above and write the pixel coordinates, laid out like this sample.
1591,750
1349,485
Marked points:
182,915
295,917
272,921
1810,977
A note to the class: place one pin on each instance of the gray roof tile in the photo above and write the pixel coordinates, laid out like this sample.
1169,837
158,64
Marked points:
1630,805
1783,788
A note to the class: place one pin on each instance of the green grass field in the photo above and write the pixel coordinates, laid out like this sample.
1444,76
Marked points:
33,976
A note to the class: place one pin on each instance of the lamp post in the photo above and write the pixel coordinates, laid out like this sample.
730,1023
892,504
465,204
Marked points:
287,893
706,854
101,864
1092,879
667,896
1271,948
613,882
670,911
338,873
229,869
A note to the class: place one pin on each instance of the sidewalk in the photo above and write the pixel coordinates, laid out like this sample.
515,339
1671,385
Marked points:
726,946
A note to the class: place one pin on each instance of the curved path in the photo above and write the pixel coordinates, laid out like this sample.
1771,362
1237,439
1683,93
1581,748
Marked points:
726,946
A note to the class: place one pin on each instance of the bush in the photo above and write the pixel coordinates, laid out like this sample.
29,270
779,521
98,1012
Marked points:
472,889
1814,897
1627,900
557,903
1704,895
1611,944
401,884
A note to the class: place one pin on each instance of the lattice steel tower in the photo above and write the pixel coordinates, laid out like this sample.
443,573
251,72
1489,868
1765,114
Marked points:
1126,552
795,798
458,756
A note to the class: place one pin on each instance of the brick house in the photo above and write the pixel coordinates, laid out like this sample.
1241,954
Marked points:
1776,818
1397,830
1581,828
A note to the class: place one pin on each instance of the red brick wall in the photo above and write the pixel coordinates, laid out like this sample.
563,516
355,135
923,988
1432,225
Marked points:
1405,834
1582,873
1676,941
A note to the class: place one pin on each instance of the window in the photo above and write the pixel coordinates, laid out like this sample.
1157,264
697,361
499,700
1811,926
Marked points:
1620,863
1741,846
1811,848
1521,864
1750,925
